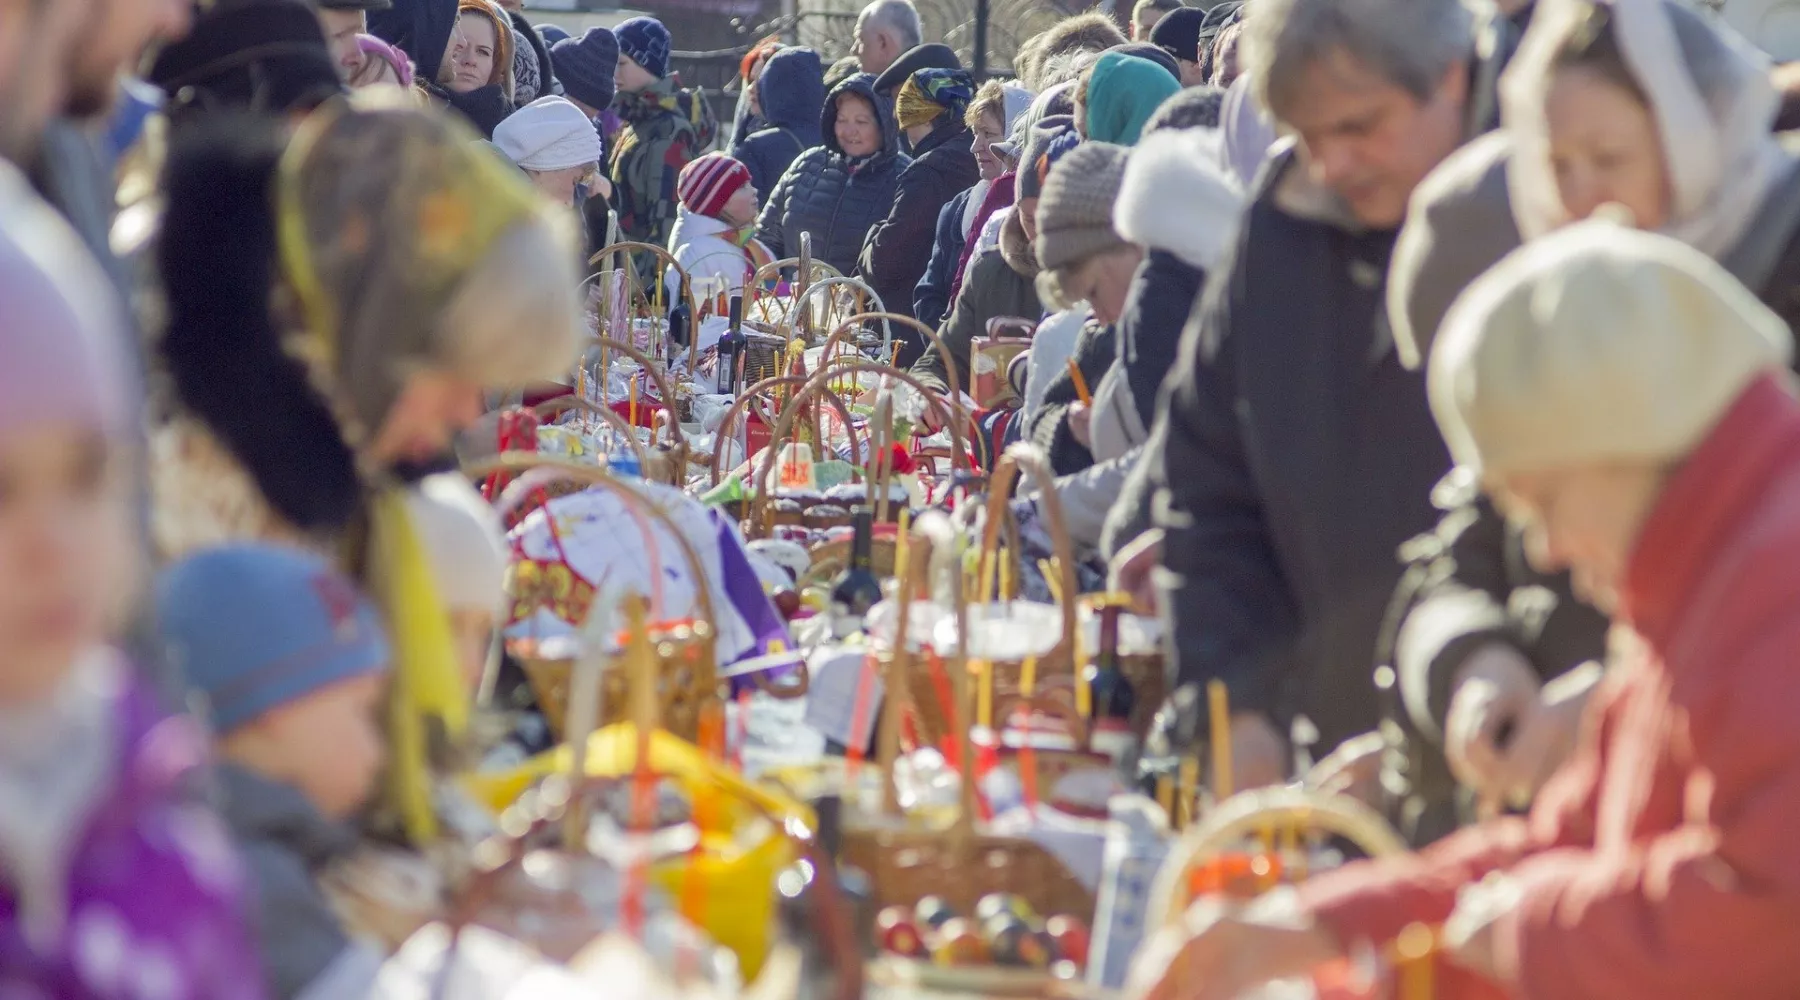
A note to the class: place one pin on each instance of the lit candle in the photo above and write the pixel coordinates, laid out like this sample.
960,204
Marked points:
1218,701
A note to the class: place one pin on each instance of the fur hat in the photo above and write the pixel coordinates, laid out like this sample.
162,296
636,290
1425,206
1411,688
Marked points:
1596,343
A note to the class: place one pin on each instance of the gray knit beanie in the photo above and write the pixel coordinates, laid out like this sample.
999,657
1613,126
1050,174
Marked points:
1074,215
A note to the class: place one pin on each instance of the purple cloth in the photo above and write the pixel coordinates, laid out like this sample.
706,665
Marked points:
745,592
999,195
153,886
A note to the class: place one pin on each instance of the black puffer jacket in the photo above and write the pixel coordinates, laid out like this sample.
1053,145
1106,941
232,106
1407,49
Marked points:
792,95
900,246
832,196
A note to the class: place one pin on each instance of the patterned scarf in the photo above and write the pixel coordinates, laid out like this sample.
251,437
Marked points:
931,93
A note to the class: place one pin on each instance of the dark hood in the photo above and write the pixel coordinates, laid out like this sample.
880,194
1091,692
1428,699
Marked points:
421,29
791,89
862,85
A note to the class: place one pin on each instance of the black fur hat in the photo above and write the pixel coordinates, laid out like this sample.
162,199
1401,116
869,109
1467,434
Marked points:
222,348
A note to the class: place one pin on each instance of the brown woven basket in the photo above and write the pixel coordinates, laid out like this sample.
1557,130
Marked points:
634,289
751,400
688,675
963,863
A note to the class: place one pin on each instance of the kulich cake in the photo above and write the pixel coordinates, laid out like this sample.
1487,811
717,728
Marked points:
826,516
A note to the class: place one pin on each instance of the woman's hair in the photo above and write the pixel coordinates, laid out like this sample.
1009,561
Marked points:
1410,43
1064,68
1090,32
1594,46
991,97
503,43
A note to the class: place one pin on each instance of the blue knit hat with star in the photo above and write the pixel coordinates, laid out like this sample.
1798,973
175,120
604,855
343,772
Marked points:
252,627
646,41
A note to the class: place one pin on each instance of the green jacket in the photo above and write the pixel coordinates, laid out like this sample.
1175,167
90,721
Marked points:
999,283
666,127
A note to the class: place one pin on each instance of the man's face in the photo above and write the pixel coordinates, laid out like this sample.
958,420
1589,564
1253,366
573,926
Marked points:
115,36
1368,140
341,28
875,49
1192,73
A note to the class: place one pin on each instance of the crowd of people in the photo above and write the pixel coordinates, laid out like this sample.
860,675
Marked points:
1426,367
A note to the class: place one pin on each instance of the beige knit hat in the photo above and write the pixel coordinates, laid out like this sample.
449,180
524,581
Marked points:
1074,213
1596,343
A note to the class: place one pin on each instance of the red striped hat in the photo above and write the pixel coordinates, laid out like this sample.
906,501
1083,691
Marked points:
709,182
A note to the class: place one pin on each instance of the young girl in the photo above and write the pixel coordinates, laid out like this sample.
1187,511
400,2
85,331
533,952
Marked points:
113,881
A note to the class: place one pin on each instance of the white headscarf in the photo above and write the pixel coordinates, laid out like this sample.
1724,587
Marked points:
548,134
1709,91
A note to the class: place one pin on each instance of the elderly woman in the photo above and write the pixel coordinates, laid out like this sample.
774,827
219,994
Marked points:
326,341
1647,104
991,115
476,78
930,107
1628,404
837,192
554,142
1118,94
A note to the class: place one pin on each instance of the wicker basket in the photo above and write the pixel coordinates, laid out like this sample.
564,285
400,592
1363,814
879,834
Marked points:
963,863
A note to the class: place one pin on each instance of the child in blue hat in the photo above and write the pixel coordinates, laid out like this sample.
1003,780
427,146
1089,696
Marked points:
290,663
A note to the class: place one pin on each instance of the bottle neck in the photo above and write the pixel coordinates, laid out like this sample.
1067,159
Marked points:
862,540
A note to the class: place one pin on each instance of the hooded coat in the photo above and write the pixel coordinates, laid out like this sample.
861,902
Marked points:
419,28
831,195
900,245
1002,283
791,93
666,127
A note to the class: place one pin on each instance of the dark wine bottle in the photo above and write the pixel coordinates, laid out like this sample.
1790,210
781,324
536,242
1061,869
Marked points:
856,589
681,318
1109,691
728,349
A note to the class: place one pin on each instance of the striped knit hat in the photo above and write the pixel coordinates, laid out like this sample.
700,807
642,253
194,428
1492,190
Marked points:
708,183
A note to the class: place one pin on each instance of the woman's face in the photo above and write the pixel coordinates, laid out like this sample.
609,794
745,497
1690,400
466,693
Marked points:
1103,281
755,100
559,185
1027,209
1605,148
740,208
1584,519
988,132
432,407
472,54
65,544
858,133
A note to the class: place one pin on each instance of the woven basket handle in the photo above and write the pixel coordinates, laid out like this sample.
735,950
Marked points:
766,388
665,260
930,335
1025,457
664,388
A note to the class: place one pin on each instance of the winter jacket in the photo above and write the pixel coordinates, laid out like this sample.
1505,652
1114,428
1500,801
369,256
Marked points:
999,196
792,94
1658,863
1470,584
286,844
894,258
419,28
666,126
1095,351
931,296
1298,456
830,195
149,882
1005,284
704,248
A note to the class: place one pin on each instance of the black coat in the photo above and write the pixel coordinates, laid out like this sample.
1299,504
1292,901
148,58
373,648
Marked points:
1157,307
829,195
931,296
900,245
1096,349
792,93
1297,456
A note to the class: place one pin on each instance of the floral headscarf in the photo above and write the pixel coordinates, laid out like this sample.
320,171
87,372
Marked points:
384,209
933,93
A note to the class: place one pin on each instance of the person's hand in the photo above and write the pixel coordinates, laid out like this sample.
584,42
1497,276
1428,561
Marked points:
1468,936
1216,954
1132,571
1258,753
1353,769
1081,418
1494,692
1546,736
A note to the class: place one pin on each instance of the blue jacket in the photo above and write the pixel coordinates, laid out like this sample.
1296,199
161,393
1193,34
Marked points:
827,194
791,92
931,297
